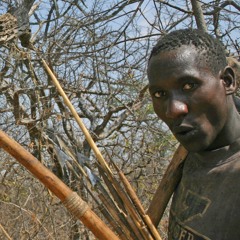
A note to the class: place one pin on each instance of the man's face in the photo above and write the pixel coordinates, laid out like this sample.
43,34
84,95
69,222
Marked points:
188,97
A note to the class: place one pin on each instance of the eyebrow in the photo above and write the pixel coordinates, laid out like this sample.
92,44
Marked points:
187,78
151,88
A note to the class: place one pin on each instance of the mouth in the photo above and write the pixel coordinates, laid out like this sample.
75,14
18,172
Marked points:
184,131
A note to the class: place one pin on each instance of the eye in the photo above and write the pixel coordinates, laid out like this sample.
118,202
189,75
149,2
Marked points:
189,86
159,94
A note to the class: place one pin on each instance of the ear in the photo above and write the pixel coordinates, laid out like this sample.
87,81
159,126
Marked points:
229,80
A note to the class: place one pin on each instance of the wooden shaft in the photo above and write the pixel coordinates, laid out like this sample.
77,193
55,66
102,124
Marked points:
167,186
139,206
53,183
77,118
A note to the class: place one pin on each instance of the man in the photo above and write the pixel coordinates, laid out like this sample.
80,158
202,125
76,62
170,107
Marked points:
192,90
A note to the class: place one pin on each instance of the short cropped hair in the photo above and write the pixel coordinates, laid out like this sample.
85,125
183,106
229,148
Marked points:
210,48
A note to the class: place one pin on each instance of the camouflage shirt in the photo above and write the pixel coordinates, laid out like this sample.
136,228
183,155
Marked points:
206,204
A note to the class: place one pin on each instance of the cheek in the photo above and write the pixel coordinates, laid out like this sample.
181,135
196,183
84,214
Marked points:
218,118
213,114
158,109
211,100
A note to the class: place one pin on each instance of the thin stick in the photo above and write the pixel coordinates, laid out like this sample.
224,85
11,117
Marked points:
74,203
131,210
124,217
78,119
116,215
139,206
106,210
133,196
5,232
167,186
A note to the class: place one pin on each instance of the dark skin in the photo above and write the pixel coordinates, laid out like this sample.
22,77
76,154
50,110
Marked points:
195,103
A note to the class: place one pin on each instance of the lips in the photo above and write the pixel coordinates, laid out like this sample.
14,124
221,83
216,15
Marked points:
183,131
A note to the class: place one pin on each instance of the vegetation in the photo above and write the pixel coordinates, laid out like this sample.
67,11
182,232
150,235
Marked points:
98,50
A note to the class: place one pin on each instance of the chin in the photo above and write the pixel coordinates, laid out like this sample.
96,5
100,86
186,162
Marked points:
198,143
195,148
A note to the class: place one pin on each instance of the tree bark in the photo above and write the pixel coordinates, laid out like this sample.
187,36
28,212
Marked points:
198,14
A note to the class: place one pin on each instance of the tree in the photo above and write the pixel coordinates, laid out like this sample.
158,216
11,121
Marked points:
98,50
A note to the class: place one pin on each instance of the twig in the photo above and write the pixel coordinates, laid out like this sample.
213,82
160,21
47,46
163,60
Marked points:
138,204
78,119
5,232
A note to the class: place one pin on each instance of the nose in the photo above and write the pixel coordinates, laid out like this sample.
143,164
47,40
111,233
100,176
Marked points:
176,109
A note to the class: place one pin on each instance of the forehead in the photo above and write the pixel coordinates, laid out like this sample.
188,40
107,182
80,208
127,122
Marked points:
184,61
173,58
